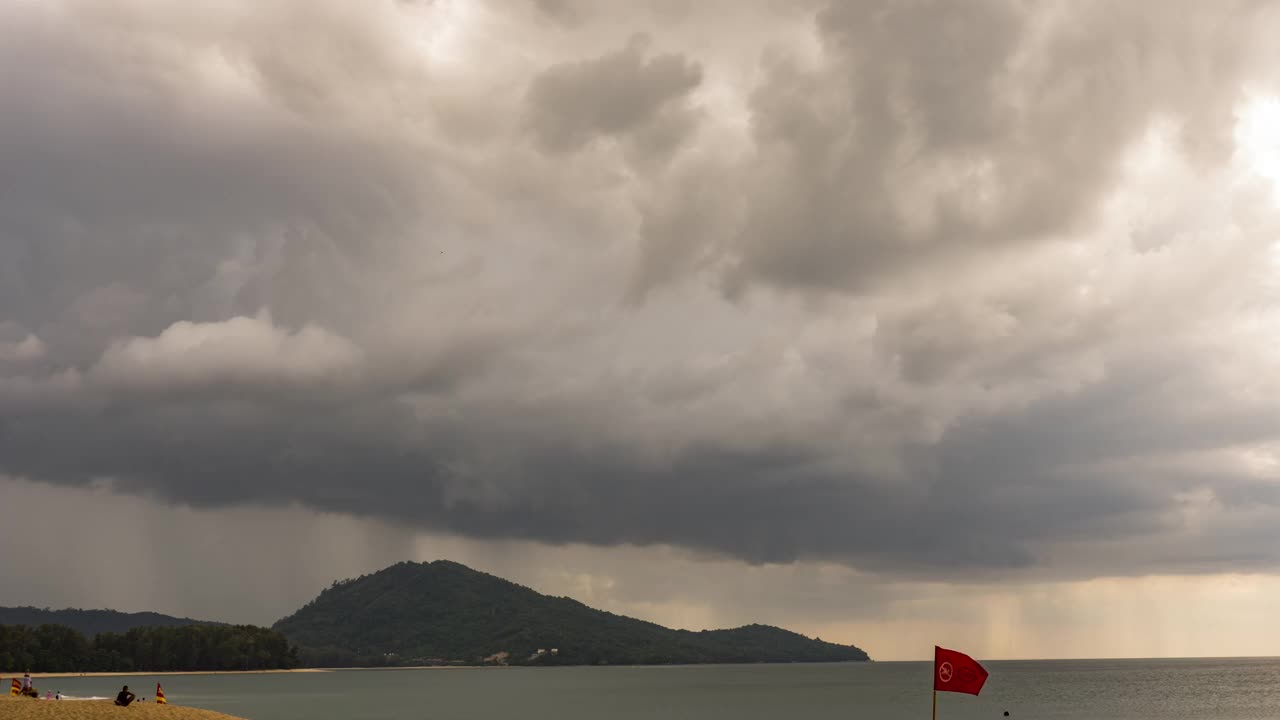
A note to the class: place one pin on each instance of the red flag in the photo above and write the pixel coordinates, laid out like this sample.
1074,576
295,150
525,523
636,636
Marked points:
956,672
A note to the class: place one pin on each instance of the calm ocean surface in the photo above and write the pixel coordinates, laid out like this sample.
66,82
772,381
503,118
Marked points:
1083,689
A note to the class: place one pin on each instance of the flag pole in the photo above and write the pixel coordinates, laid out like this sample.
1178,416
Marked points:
935,705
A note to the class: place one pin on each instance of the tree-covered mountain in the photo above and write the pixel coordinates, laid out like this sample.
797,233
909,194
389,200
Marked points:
92,622
413,613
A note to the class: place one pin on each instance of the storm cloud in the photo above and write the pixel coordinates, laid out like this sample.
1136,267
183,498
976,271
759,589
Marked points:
925,290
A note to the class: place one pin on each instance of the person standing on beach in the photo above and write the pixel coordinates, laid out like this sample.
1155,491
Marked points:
26,682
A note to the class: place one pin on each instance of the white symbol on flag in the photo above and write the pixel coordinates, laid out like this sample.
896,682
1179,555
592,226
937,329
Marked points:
945,672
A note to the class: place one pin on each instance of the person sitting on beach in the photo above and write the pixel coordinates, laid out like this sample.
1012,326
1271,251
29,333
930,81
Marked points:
125,697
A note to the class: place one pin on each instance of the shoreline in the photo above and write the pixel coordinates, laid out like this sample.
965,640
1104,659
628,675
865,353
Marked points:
37,676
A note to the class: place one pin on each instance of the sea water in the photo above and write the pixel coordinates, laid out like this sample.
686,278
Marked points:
1199,689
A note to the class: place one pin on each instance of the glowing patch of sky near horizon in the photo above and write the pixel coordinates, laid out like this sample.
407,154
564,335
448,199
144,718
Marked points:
1225,615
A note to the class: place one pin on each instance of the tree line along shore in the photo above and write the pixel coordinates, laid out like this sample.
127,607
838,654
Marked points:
61,649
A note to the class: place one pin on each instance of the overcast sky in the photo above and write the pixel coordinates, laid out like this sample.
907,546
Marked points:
895,322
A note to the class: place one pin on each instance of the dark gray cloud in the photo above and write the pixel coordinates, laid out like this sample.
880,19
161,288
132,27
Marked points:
622,94
917,289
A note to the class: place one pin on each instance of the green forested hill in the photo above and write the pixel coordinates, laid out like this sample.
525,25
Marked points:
412,613
92,622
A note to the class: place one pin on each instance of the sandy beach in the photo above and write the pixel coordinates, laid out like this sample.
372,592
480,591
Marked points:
12,708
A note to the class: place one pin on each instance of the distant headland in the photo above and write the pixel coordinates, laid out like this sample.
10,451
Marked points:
407,615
